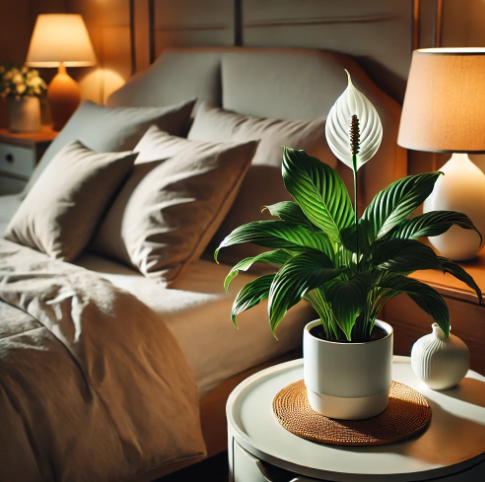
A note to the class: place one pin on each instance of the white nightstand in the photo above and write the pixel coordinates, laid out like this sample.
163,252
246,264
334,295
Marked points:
452,449
19,153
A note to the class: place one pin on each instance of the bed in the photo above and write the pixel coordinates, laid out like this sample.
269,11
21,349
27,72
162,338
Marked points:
290,84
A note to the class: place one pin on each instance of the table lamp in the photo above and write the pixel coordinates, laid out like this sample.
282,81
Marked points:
444,111
61,40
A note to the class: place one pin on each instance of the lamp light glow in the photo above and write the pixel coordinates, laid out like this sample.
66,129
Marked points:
61,40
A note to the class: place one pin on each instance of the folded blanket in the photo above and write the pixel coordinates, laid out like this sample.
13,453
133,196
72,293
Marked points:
93,386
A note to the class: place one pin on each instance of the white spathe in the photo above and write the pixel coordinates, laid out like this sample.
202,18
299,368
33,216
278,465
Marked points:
461,189
337,128
438,361
348,381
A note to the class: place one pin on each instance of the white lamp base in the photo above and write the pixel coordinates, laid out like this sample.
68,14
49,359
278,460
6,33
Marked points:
461,189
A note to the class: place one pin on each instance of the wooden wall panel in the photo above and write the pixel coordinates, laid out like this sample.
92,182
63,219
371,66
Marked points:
187,23
377,33
140,24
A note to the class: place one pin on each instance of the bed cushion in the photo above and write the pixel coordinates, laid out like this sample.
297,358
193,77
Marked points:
61,211
173,203
106,129
263,184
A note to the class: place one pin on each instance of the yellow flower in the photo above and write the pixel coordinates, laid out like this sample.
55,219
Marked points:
25,69
21,88
18,78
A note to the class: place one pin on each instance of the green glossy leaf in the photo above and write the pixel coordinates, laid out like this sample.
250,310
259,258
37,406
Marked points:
277,258
277,234
295,279
348,298
395,203
433,223
289,211
424,296
459,273
405,255
349,240
252,294
319,191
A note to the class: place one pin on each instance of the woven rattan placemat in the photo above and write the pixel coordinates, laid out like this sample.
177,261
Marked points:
407,414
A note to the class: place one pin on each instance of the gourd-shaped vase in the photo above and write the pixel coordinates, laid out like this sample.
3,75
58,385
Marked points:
439,361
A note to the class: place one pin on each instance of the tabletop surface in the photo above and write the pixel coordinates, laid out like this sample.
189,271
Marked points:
454,440
43,135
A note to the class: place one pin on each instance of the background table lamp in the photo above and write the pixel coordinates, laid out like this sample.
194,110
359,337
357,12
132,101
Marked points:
444,111
61,40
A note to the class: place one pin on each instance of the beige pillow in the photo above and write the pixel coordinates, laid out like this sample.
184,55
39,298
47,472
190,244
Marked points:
118,129
61,211
173,203
263,184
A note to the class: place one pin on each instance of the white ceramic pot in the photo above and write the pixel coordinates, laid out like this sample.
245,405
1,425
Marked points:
439,361
461,189
348,381
24,114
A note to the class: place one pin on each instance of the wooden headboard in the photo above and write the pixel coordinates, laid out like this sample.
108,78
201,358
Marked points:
379,34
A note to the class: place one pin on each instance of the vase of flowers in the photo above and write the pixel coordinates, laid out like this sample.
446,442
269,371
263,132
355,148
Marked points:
22,88
346,267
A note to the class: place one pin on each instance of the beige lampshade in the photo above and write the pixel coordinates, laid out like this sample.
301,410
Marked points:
60,38
444,105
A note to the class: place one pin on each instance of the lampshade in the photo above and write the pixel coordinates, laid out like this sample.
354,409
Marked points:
444,104
60,38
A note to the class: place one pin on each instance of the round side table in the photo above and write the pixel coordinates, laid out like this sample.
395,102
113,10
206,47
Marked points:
451,449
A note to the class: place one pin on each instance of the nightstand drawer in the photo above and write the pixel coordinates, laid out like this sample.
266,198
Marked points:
17,160
10,185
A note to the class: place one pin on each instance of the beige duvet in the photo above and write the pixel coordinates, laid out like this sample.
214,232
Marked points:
93,387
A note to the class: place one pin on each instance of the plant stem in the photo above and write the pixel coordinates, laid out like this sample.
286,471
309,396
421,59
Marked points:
356,214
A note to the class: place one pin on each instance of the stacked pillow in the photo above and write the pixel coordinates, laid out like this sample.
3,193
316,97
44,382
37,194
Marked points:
174,201
61,211
263,184
160,213
72,186
114,129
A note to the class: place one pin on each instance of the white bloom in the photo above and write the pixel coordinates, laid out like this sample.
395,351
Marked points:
18,79
337,128
35,81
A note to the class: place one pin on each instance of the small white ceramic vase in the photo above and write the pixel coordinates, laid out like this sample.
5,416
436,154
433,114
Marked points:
461,189
24,114
348,381
439,361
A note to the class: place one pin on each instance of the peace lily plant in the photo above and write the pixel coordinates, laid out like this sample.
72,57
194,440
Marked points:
346,268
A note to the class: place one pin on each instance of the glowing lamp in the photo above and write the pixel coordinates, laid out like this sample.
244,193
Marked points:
61,40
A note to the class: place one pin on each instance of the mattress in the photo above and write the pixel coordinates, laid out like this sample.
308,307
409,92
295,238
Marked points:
197,312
